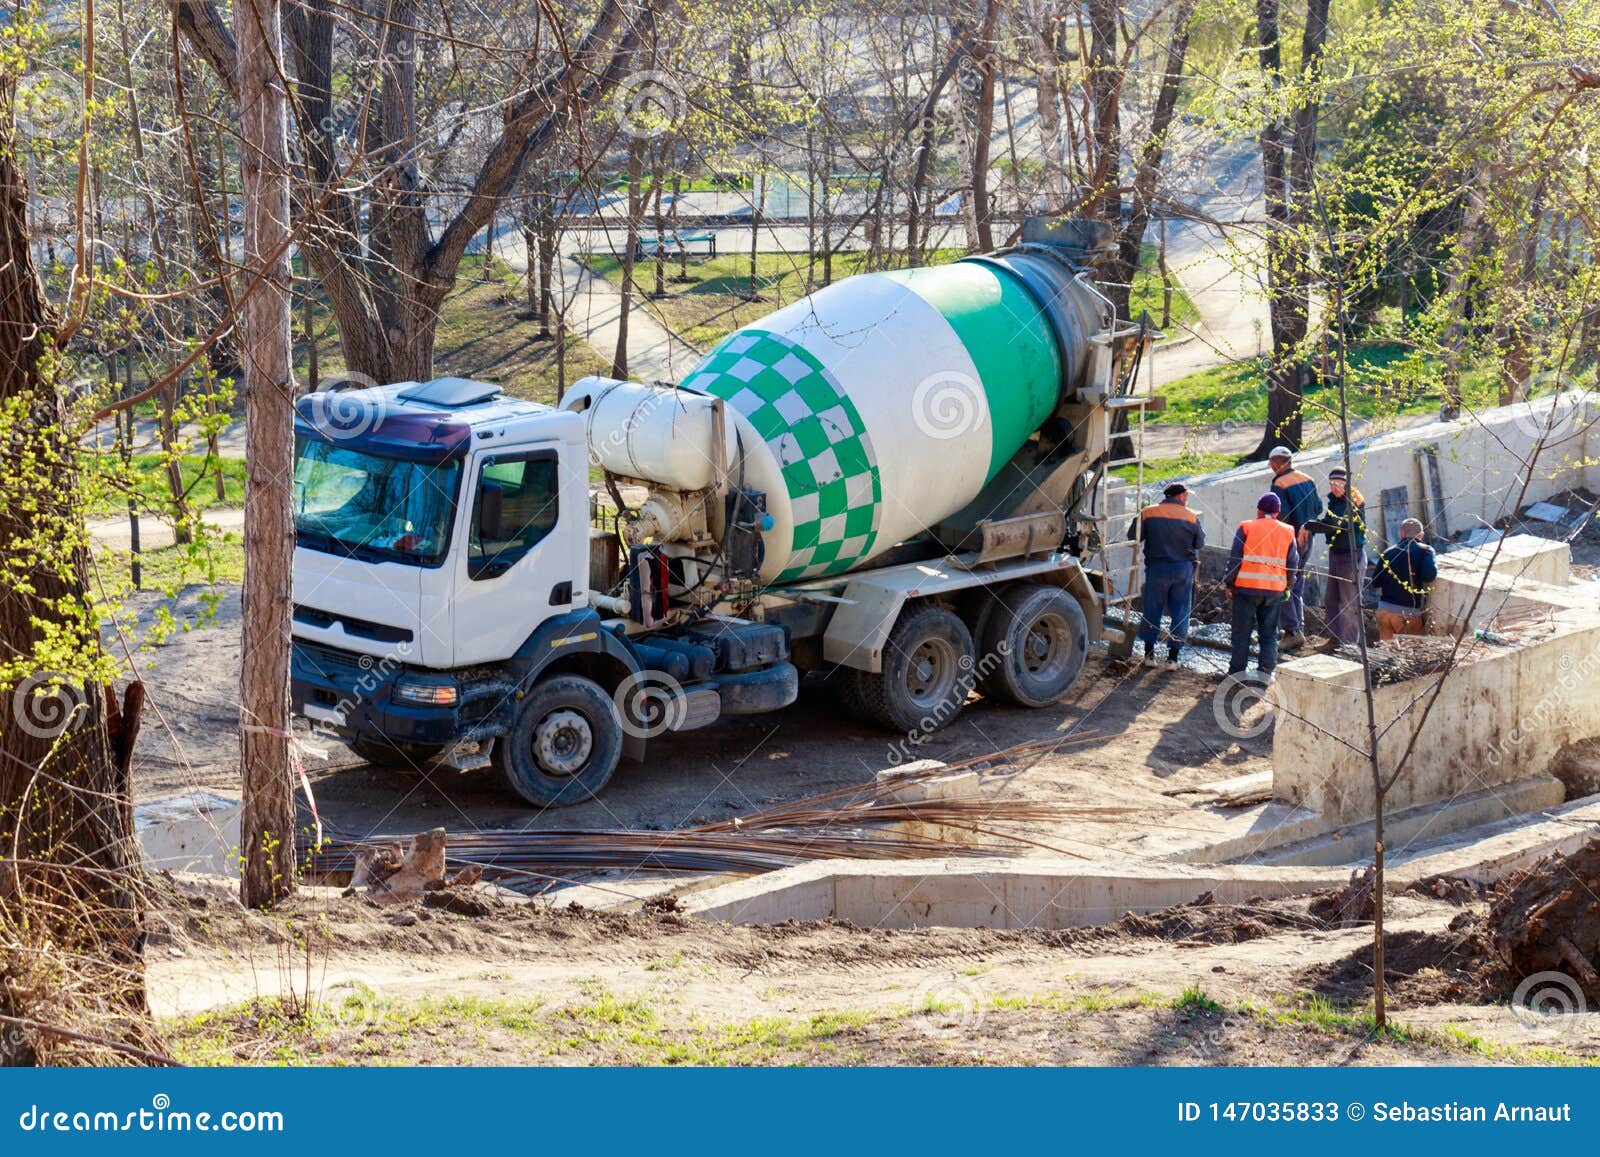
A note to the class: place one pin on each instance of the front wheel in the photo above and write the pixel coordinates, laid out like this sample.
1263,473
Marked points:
564,743
1032,645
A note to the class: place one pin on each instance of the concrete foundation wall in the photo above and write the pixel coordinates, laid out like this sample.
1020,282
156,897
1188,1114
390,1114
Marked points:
991,893
1500,718
1481,466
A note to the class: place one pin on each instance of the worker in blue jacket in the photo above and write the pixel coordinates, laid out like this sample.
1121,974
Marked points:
1172,540
1297,493
1404,576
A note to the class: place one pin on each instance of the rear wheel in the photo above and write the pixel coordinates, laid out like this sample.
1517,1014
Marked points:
564,743
1032,645
926,676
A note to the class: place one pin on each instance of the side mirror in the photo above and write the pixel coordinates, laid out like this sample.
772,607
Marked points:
491,501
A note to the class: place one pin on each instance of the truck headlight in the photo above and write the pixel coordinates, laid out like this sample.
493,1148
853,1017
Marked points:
431,691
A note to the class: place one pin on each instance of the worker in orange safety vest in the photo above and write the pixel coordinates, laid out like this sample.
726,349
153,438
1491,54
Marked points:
1261,566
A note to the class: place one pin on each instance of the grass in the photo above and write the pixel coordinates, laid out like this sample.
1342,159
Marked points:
362,1029
1181,465
169,569
109,484
1386,378
714,300
605,1028
482,334
1148,293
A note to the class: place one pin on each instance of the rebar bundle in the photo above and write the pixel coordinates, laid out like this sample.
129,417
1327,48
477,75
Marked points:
849,823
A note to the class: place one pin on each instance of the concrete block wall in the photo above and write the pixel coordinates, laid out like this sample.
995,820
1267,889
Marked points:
1481,468
1500,718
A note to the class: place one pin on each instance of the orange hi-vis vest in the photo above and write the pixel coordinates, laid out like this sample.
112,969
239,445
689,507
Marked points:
1265,565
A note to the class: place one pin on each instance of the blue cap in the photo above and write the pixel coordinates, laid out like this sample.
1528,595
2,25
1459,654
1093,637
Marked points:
1269,504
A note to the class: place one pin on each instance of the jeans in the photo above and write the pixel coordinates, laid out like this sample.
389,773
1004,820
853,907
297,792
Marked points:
1168,590
1294,611
1341,602
1255,611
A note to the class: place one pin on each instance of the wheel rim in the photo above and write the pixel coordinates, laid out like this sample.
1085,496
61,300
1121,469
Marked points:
563,742
1046,648
931,672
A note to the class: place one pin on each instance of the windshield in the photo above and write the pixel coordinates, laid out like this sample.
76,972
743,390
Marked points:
348,502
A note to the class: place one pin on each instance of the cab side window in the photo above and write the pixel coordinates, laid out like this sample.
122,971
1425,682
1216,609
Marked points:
516,507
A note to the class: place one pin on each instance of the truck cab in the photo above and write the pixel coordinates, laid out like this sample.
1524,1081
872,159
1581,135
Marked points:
892,482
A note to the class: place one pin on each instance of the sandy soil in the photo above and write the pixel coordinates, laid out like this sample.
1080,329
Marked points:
336,979
1135,733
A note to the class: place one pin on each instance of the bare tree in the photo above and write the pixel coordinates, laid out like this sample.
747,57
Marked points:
267,825
385,284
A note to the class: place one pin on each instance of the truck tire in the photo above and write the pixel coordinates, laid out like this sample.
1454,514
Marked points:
564,743
407,758
1032,645
927,673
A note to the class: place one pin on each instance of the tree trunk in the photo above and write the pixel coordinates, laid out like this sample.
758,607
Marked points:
630,247
1105,97
308,313
983,129
71,900
1287,172
660,223
267,825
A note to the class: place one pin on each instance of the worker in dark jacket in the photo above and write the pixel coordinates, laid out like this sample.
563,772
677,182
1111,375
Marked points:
1260,563
1172,540
1404,576
1344,521
1298,495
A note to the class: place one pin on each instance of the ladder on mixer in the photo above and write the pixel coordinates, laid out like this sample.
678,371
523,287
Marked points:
1121,554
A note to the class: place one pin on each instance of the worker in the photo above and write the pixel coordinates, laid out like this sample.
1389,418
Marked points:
1172,540
1404,575
1260,562
1298,495
1344,522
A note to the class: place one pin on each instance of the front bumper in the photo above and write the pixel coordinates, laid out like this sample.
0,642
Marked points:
352,696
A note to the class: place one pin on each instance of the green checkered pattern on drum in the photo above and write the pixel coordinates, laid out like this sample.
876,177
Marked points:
815,433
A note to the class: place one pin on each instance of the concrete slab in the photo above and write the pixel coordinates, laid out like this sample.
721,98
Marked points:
1027,892
193,832
1485,854
1518,555
1354,844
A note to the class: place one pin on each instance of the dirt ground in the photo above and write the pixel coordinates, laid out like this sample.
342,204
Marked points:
336,980
1129,735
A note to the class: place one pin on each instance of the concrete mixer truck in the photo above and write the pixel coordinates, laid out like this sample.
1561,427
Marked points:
894,483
